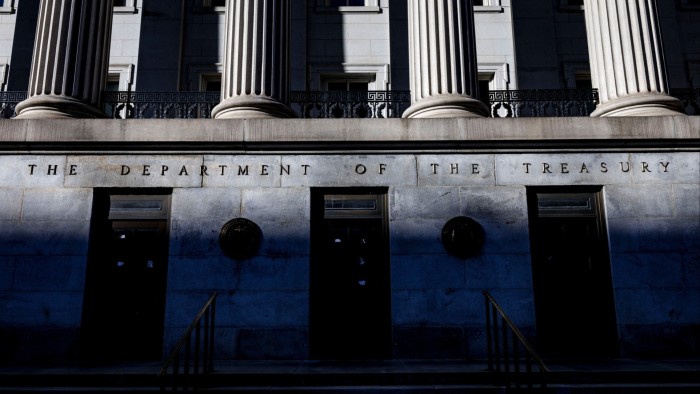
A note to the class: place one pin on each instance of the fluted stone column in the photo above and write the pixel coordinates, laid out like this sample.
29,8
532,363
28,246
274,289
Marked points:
70,60
255,80
627,60
442,60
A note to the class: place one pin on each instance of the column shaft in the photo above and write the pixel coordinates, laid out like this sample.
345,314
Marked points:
627,61
70,60
442,60
255,80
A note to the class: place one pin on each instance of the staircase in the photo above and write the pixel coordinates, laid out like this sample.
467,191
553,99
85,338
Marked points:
397,376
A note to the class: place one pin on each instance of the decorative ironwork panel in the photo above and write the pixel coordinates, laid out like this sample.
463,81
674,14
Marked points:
8,102
542,103
350,104
160,105
690,99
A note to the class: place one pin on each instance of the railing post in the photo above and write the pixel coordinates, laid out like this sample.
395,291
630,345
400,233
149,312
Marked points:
497,350
489,345
516,361
506,362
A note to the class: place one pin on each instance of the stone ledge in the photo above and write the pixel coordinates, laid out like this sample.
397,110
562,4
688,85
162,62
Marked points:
337,133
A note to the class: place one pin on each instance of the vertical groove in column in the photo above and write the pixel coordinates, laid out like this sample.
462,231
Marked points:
255,60
70,59
627,62
442,59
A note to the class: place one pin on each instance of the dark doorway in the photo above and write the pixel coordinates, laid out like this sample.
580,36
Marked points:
126,278
575,308
350,311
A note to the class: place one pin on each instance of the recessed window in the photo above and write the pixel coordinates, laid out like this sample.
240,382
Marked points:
347,6
348,82
125,7
210,83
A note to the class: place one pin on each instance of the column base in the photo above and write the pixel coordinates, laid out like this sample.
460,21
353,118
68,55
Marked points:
251,107
51,107
447,106
643,104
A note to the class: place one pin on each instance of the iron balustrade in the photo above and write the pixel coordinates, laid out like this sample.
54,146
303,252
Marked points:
351,104
159,105
508,350
542,103
197,364
690,98
8,102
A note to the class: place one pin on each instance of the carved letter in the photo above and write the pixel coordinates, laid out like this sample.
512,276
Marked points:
263,170
360,169
242,170
584,168
454,168
382,168
73,169
203,171
603,167
435,166
223,167
52,169
527,167
183,170
306,167
622,166
564,168
475,168
645,167
284,170
146,167
163,169
125,170
665,165
545,168
31,169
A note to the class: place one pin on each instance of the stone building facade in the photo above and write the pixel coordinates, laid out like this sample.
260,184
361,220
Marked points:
348,238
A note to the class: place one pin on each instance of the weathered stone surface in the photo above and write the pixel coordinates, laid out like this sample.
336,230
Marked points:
201,203
436,307
499,271
276,204
687,200
44,238
493,202
625,201
427,272
266,309
10,204
648,270
41,309
196,237
505,236
202,273
417,236
271,273
663,168
59,273
284,238
272,344
429,343
657,306
425,203
654,235
57,204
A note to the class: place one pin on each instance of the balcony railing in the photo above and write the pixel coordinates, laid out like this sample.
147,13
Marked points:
354,104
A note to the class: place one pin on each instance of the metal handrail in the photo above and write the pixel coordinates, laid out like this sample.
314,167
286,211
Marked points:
508,366
203,352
